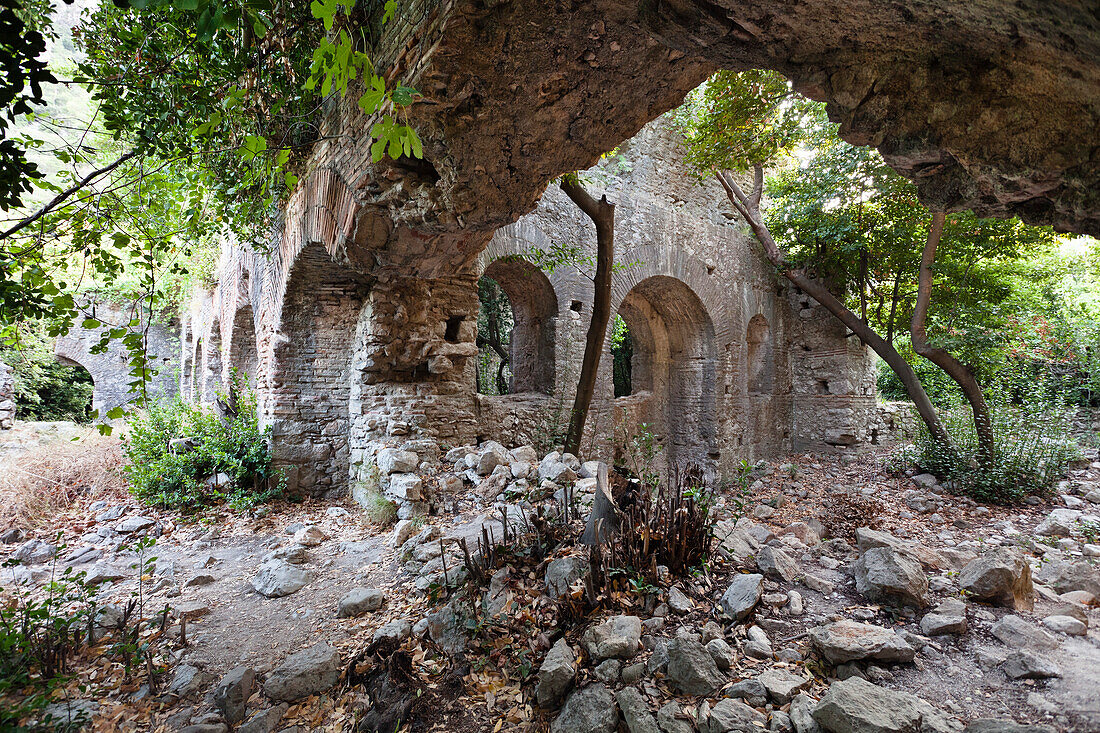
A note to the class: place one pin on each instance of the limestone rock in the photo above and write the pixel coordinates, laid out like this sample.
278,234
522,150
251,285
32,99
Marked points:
264,721
750,690
405,487
562,572
232,693
360,601
1001,577
131,525
187,681
310,536
776,563
742,595
733,716
1003,725
802,714
884,574
555,675
591,709
308,672
1066,625
278,578
721,653
395,631
1025,664
867,539
34,552
618,637
671,719
948,617
691,669
846,641
635,711
1059,523
782,685
679,601
855,705
1065,576
1014,632
396,460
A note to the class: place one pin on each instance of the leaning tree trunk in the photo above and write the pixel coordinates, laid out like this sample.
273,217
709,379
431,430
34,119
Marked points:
749,207
983,423
602,214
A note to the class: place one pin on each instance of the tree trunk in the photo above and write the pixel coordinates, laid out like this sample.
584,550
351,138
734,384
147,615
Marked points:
983,423
602,214
749,207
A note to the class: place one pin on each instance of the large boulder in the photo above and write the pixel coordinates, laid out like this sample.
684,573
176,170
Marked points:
619,637
396,460
847,641
635,711
867,539
1059,523
591,709
884,574
232,693
776,563
308,672
855,705
556,674
1001,577
1014,632
742,595
691,668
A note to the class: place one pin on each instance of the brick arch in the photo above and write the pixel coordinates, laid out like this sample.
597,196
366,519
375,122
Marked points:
534,313
308,388
675,366
242,353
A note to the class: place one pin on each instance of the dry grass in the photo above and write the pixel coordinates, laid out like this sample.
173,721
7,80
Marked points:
38,484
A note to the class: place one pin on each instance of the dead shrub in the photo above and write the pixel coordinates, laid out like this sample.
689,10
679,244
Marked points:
37,485
845,511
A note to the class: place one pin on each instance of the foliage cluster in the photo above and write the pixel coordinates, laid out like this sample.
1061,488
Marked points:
176,451
45,389
1033,449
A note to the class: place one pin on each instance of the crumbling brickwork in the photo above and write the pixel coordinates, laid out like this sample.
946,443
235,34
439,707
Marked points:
728,363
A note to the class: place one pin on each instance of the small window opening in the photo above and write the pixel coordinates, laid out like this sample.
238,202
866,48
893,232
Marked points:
576,306
454,324
823,386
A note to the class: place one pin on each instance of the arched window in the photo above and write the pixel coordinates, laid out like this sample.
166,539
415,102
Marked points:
242,347
516,323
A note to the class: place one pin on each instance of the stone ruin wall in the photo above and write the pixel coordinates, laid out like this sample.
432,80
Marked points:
346,363
110,370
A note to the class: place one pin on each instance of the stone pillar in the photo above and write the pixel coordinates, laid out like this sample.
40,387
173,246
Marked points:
413,375
7,397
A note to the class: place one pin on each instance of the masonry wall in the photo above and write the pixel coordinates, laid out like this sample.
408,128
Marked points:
110,370
348,359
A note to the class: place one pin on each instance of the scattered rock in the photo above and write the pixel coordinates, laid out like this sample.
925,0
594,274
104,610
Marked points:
131,525
776,563
884,574
591,709
1059,523
305,673
635,711
782,685
671,719
691,669
278,578
729,716
1024,664
310,536
555,675
396,631
857,706
1066,625
360,601
752,691
199,579
562,573
34,552
1001,577
188,680
721,653
1004,725
802,714
742,595
265,721
396,460
679,601
1065,576
232,693
618,637
1014,632
845,641
947,618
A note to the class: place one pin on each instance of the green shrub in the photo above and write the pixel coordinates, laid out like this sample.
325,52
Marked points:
179,478
1032,449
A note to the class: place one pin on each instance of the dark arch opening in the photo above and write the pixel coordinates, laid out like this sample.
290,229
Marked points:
243,355
674,363
60,389
516,323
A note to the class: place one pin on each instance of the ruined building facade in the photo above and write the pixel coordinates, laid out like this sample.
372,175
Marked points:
728,363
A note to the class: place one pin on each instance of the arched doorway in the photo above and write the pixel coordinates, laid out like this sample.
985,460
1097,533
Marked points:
672,375
516,326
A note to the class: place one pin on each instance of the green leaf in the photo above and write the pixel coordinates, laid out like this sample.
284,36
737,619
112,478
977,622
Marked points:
403,96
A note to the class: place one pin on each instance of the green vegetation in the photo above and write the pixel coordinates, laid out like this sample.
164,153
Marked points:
44,388
186,456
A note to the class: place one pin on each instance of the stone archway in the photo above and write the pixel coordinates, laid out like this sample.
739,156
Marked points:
674,367
243,355
307,404
534,313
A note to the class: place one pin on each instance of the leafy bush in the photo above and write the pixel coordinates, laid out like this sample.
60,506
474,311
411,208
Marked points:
1032,450
44,388
162,474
